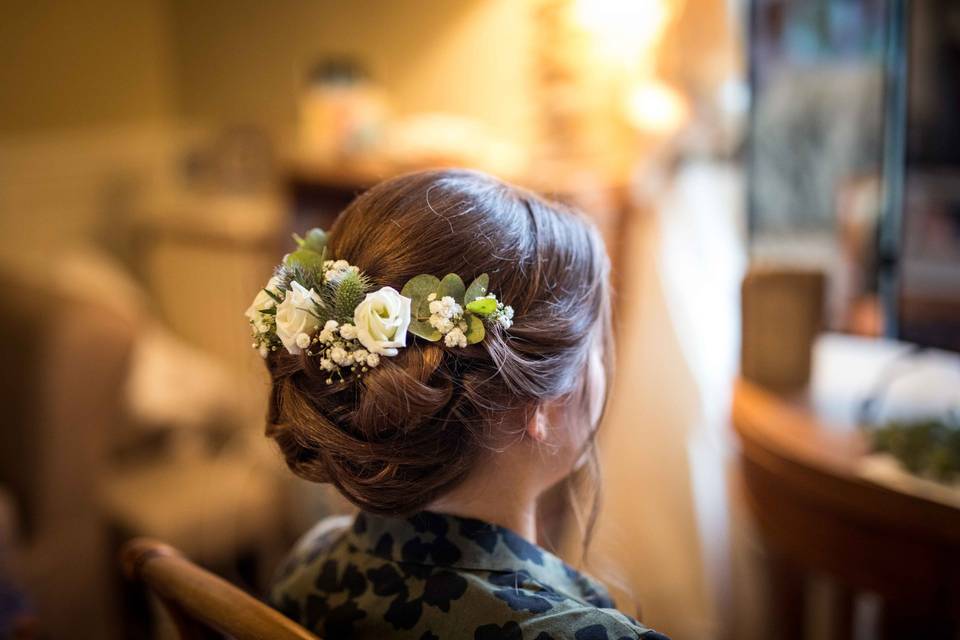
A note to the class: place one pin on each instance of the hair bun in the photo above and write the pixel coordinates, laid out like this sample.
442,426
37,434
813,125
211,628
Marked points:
389,442
403,393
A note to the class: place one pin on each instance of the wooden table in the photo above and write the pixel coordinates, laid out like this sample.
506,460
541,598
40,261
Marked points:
818,515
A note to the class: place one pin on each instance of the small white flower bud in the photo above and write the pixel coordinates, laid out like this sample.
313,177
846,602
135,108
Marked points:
338,355
456,338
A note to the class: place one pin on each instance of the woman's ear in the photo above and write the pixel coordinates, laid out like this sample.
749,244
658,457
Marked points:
537,427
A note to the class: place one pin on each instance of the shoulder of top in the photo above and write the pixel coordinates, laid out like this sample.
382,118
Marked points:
323,533
589,623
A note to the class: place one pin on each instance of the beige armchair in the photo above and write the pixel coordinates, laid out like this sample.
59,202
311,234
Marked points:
64,364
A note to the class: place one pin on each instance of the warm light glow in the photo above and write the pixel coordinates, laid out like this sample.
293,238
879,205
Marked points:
655,107
623,29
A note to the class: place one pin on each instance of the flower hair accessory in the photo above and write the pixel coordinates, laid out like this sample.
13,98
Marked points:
326,308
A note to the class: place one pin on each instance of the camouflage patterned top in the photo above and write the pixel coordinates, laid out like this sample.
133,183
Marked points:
434,576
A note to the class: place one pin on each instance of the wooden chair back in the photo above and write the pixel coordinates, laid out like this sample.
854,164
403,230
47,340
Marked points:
202,604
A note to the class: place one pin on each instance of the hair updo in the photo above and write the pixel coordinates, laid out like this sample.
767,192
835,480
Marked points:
412,428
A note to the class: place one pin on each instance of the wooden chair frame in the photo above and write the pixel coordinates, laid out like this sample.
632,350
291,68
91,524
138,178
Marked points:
201,603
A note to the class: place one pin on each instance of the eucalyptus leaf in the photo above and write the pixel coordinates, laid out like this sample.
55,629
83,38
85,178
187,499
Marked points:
424,330
420,286
475,331
451,285
482,306
418,289
477,289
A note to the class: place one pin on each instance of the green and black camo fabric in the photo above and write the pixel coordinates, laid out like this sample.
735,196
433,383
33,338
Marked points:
437,577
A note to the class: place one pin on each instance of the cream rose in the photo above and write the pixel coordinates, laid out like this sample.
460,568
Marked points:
295,315
255,312
381,321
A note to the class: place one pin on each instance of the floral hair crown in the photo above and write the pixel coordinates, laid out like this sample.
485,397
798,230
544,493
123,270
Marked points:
326,308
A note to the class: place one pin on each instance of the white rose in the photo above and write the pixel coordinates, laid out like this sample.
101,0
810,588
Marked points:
261,303
295,315
381,321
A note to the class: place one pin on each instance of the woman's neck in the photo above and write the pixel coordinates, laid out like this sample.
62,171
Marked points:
498,492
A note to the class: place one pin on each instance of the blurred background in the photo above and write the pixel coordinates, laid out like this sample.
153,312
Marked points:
778,185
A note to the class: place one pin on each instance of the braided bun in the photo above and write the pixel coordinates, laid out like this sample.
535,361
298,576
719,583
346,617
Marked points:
413,427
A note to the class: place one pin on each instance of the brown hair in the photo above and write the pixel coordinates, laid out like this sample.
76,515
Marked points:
412,428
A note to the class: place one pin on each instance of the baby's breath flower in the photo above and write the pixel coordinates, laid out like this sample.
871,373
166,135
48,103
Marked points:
342,357
441,324
348,331
455,338
446,307
303,340
504,315
373,360
335,269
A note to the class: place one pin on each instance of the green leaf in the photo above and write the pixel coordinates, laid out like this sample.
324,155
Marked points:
424,330
273,296
304,260
477,289
420,286
475,331
482,306
418,289
451,285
